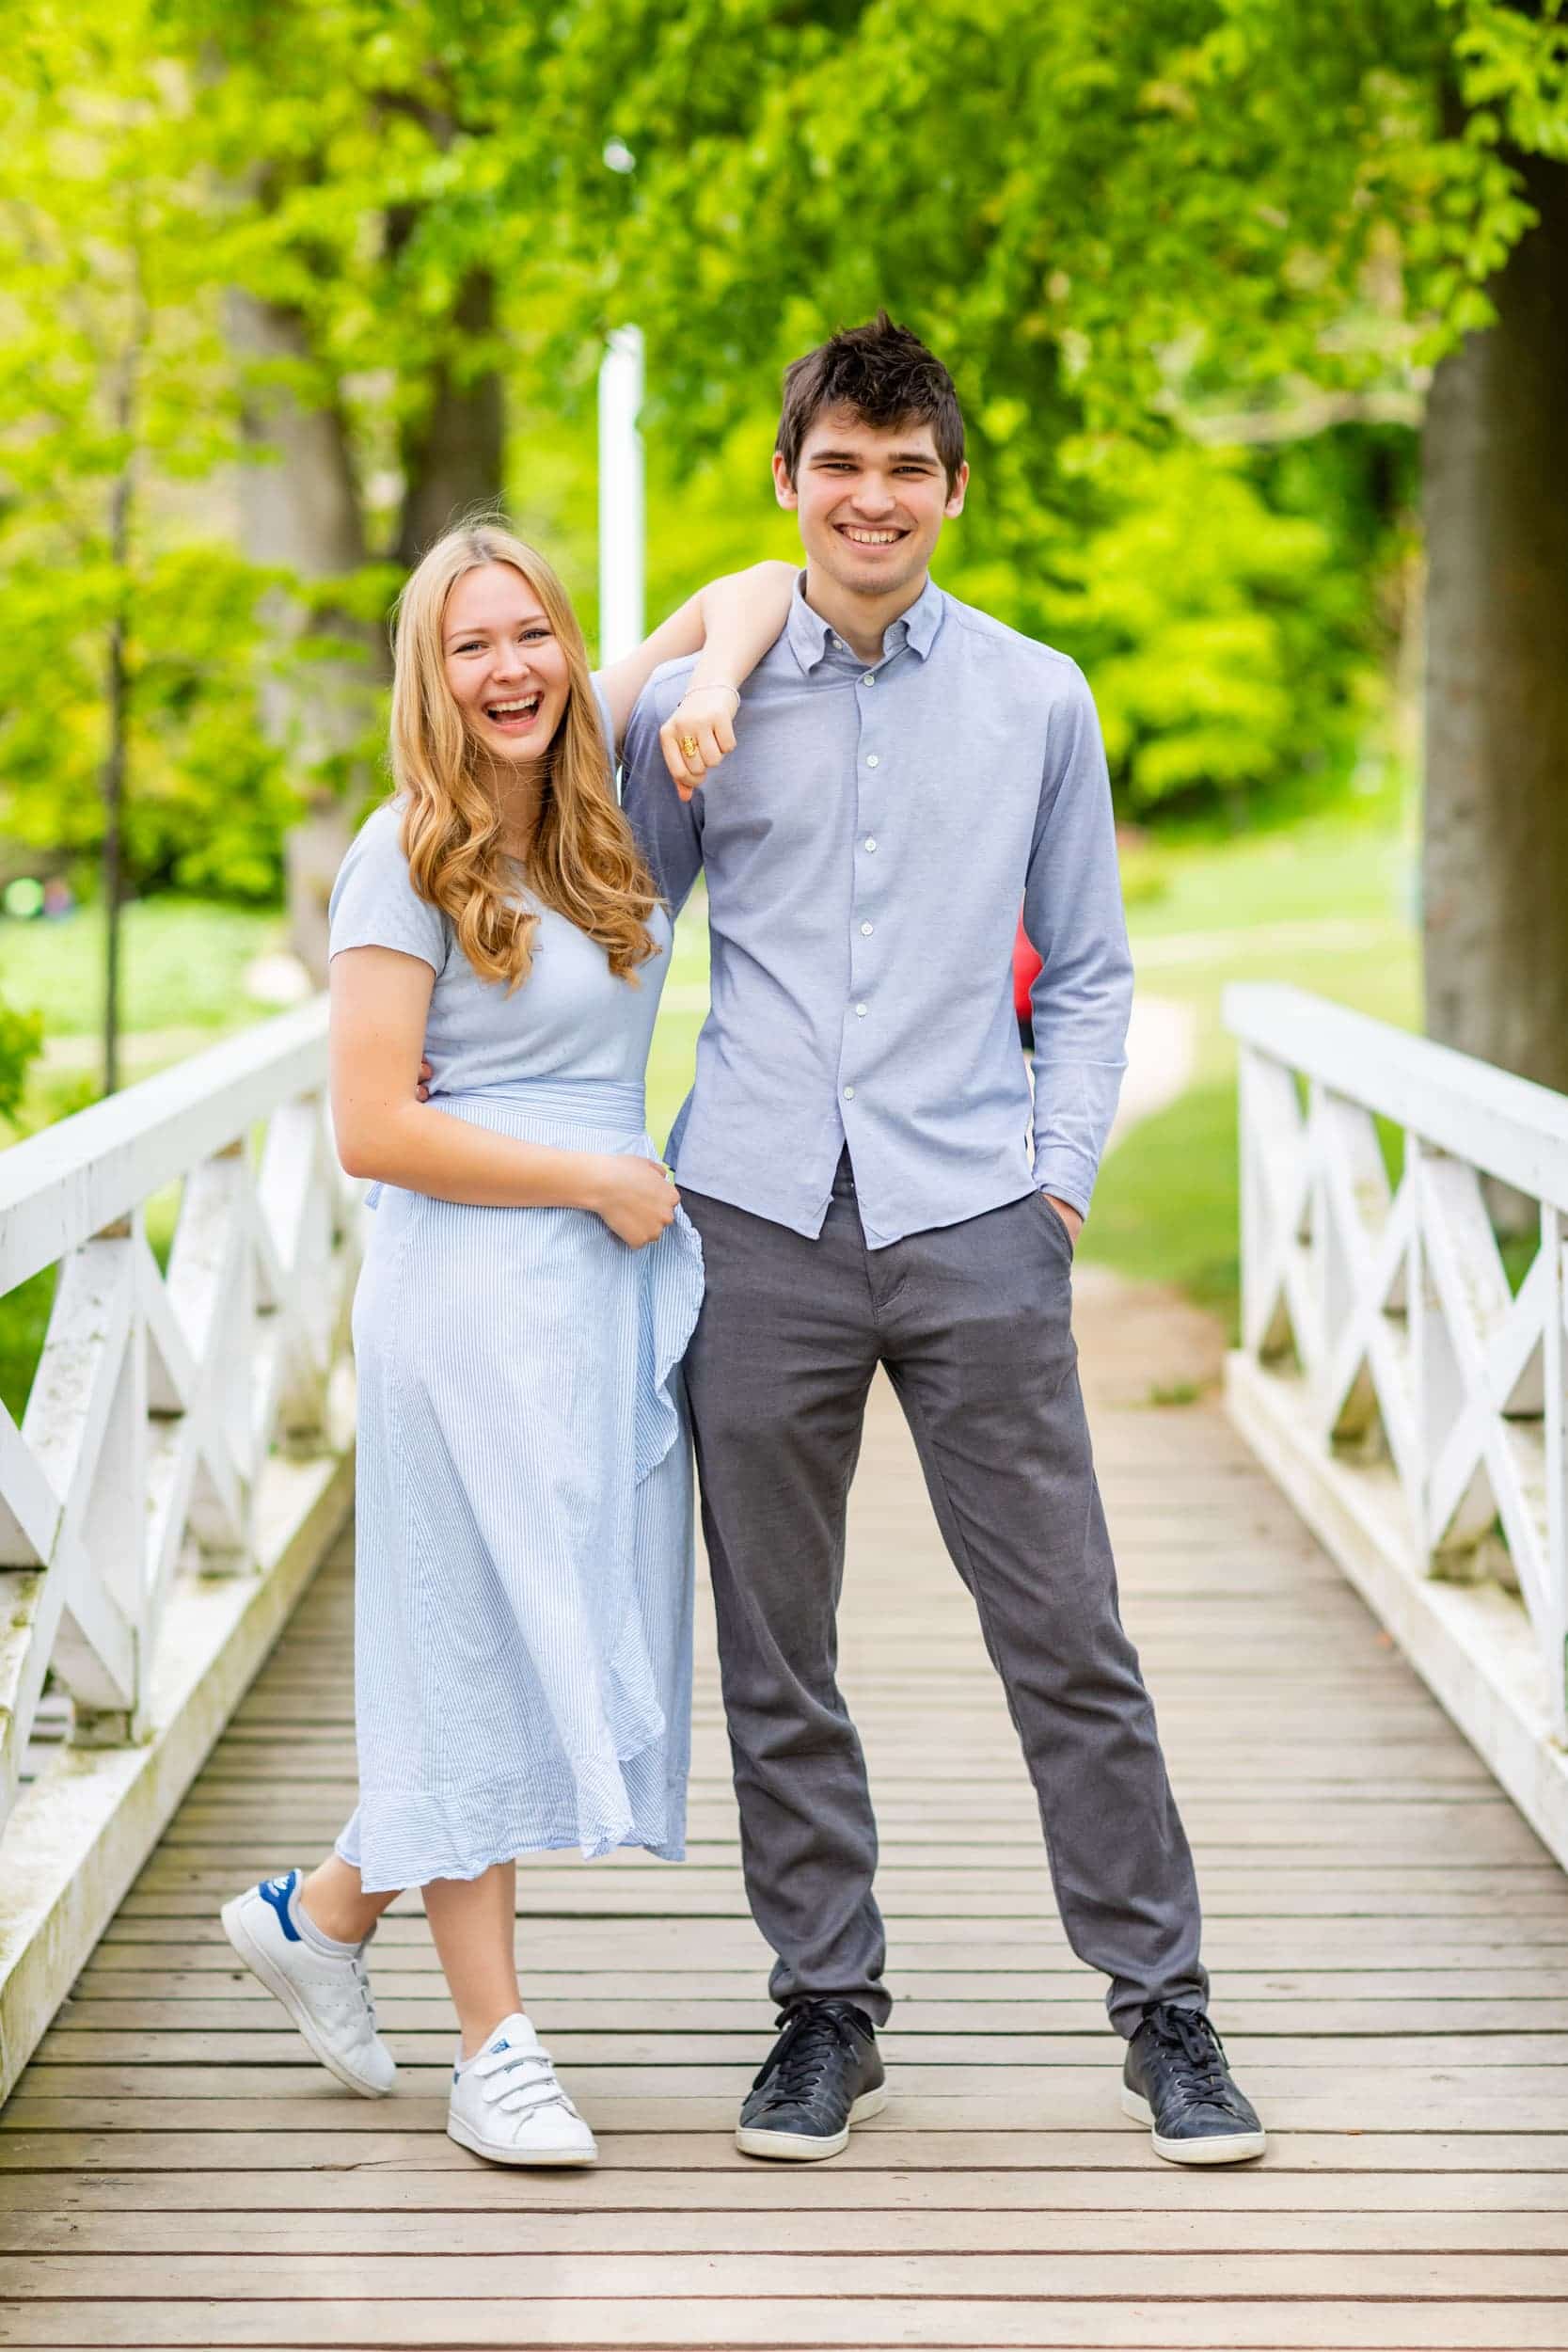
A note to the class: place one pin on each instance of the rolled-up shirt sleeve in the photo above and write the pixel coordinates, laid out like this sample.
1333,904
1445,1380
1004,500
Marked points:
669,830
1072,913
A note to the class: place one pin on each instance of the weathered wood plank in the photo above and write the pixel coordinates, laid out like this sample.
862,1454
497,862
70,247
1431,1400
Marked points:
476,2278
243,2011
645,2100
832,2324
914,2059
693,2144
728,2185
142,2242
1390,1950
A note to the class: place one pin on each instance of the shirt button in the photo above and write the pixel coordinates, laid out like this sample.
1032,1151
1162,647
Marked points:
870,679
860,1010
849,1094
870,840
866,930
871,760
837,644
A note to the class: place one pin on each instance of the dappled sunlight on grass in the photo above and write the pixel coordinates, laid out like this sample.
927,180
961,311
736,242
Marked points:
184,962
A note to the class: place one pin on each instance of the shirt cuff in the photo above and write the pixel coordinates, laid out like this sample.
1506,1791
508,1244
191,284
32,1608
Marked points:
1065,1178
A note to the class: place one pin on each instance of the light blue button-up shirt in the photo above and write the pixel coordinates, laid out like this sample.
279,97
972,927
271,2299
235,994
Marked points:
866,847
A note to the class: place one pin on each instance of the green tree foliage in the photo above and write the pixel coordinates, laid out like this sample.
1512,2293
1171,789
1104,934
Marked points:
1113,214
1126,226
115,410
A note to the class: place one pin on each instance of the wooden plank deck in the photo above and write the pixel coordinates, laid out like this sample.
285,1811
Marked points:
1389,1945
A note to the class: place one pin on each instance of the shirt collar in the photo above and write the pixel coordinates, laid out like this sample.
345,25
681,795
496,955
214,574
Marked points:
810,635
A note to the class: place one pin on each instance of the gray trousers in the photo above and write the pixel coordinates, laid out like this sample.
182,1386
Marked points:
974,1323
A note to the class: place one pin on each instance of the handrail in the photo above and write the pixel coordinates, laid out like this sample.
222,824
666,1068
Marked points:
161,1395
1408,1391
1508,1127
59,1187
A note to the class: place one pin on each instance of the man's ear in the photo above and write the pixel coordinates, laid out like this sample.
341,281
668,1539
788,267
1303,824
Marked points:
955,496
784,489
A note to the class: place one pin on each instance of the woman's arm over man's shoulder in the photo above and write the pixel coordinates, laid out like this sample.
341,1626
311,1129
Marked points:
669,828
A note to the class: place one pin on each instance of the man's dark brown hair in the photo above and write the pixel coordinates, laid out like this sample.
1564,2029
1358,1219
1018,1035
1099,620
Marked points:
886,375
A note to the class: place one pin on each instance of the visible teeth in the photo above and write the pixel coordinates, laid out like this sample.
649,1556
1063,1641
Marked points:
505,710
871,538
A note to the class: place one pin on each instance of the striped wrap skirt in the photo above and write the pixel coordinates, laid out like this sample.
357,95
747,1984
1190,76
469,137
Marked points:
524,1540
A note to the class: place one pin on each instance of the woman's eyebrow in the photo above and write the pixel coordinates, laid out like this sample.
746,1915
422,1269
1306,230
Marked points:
487,628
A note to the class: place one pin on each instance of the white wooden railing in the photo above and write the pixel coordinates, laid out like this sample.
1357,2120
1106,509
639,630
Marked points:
181,1460
1408,1397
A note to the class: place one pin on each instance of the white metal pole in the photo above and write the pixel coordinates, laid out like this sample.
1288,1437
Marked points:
620,495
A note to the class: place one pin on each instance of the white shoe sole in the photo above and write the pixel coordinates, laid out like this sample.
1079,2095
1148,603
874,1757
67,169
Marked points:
278,1985
494,2153
800,2147
1229,2147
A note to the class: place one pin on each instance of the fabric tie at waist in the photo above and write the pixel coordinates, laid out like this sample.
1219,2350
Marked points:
614,1103
586,1101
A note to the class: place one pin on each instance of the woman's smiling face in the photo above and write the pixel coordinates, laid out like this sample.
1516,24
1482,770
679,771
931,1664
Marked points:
504,664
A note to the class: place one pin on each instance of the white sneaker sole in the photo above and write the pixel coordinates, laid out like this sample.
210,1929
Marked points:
494,2153
1227,2148
278,1985
800,2147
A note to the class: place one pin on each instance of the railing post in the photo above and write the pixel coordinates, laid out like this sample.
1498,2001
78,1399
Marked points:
1247,1190
1552,1375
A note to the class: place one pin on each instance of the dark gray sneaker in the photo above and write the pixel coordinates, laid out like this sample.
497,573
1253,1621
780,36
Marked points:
1176,2079
823,2073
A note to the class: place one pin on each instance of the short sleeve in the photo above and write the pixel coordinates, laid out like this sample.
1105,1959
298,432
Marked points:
606,724
373,902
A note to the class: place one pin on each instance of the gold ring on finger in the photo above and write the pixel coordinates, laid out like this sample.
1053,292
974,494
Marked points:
689,745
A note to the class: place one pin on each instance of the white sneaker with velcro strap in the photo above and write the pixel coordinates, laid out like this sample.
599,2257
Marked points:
507,2105
327,1994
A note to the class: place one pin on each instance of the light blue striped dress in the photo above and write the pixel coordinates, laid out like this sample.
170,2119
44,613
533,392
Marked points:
524,1543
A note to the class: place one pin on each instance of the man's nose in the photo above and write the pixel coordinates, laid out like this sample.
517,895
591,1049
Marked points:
873,497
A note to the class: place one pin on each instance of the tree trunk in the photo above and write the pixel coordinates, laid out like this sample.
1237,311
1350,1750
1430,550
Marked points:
451,460
112,861
117,752
302,513
1495,882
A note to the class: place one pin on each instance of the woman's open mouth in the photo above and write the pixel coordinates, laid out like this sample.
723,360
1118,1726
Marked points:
515,717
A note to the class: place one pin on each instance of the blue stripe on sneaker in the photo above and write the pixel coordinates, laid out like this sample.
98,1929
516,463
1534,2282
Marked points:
277,1892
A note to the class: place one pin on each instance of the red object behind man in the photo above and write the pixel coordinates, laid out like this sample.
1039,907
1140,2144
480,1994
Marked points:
1026,965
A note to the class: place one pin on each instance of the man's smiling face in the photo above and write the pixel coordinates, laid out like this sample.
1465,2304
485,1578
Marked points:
871,501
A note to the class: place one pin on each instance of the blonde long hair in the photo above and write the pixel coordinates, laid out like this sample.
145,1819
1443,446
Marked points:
584,862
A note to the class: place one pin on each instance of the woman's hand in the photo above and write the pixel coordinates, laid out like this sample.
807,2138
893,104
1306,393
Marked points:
636,1198
698,734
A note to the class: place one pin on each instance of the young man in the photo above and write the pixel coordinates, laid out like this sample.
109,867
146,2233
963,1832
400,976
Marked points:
855,1155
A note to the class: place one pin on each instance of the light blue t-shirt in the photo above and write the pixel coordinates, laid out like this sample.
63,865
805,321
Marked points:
570,1019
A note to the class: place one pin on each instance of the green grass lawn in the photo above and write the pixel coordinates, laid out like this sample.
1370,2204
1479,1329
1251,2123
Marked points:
1327,906
184,964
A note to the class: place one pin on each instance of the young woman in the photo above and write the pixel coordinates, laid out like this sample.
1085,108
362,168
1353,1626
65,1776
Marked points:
522,1643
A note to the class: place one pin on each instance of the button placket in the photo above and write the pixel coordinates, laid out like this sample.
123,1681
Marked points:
864,900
